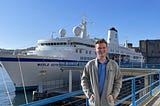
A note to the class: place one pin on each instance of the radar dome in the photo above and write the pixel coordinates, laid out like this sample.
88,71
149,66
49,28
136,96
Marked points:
77,30
62,32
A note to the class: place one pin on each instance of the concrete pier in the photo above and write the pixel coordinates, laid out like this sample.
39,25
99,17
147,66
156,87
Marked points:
136,71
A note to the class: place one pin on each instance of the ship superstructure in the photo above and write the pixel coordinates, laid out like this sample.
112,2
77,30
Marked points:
45,62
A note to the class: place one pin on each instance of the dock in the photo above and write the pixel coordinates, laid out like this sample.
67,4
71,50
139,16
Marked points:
141,87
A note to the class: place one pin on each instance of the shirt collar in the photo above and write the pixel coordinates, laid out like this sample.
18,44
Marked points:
106,61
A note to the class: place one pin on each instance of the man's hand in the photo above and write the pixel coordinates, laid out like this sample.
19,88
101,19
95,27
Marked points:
92,98
110,97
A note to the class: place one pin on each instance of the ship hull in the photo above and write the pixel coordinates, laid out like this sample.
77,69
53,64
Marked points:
29,71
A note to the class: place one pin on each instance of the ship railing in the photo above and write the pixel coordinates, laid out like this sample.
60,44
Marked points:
121,64
138,65
135,90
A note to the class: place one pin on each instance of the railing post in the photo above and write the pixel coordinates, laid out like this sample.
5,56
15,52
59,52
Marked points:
87,102
146,66
159,79
132,64
150,84
133,92
70,81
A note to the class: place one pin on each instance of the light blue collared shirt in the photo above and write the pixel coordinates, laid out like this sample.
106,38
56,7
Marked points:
101,75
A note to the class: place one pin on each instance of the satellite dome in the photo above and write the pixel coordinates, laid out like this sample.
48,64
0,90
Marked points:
62,32
77,30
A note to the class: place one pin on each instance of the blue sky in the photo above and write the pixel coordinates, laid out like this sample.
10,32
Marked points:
23,22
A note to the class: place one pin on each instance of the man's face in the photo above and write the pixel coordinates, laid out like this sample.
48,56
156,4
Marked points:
101,50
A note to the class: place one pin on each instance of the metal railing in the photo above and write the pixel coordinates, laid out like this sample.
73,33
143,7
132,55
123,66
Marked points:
140,91
138,88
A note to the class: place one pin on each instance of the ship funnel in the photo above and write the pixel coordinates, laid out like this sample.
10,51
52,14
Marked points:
113,36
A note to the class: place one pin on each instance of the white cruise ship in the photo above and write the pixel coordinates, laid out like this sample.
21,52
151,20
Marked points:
45,62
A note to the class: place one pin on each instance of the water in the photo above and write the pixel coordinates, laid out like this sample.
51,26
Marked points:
8,96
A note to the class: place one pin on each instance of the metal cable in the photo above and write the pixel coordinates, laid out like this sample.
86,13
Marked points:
22,80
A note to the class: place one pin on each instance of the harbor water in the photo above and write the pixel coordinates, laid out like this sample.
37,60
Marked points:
8,96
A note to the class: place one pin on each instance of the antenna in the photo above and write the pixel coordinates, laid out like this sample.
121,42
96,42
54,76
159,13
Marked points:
84,28
52,35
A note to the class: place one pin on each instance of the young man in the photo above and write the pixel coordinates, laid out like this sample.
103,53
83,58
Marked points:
101,78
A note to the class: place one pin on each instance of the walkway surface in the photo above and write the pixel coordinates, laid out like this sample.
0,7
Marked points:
155,101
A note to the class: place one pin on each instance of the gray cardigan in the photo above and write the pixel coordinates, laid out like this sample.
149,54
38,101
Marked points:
112,84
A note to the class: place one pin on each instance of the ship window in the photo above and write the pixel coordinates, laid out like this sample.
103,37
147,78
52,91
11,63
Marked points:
42,44
80,51
115,35
47,44
89,52
76,50
55,43
86,52
78,43
135,57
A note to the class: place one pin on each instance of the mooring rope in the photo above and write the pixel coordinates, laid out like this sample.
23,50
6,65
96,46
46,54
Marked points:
24,89
5,84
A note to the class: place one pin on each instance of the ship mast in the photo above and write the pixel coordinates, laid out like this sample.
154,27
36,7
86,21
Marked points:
83,28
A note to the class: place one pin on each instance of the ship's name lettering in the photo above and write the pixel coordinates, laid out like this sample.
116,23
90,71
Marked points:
43,64
59,64
47,64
